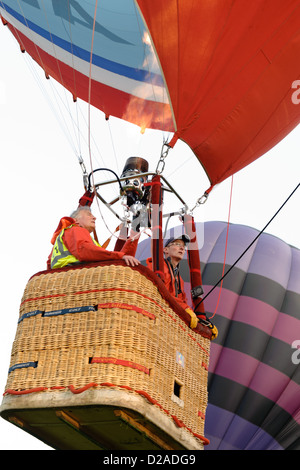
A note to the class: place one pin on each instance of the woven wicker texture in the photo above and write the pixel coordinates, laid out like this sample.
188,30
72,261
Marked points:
126,335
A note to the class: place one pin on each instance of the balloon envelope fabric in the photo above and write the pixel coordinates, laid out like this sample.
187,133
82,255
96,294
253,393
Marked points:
208,71
254,373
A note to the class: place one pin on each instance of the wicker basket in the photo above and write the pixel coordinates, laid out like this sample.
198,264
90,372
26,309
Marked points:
109,326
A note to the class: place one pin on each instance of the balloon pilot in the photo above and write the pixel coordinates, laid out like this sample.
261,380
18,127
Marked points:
174,250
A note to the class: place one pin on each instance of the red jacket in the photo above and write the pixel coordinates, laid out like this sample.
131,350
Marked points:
79,242
169,280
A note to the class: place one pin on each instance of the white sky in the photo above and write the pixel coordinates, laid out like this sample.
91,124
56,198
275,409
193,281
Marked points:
41,181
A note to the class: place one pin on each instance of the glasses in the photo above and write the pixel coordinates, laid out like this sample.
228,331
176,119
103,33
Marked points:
178,244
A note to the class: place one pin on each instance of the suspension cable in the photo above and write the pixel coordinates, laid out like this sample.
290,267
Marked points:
225,252
90,86
259,234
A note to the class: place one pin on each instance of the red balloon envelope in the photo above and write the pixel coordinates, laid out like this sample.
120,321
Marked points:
229,67
223,78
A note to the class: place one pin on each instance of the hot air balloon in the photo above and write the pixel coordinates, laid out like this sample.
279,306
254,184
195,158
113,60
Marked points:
199,72
253,384
213,64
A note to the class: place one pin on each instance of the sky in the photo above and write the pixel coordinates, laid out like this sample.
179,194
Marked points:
41,181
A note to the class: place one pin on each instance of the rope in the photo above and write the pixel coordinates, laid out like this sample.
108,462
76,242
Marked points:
89,116
226,244
90,86
55,107
59,69
259,234
74,79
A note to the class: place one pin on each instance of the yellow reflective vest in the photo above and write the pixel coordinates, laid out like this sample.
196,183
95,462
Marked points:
61,256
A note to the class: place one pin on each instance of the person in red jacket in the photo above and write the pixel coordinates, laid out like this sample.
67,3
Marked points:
174,250
73,244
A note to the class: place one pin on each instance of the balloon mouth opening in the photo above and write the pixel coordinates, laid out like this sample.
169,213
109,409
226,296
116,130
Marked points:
133,185
135,165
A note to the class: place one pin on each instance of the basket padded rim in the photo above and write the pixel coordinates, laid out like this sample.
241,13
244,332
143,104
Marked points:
200,329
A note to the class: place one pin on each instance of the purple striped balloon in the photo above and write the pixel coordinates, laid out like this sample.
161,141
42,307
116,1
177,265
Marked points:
254,373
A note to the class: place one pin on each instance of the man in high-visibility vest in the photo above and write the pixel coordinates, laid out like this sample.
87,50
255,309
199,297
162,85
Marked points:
73,244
